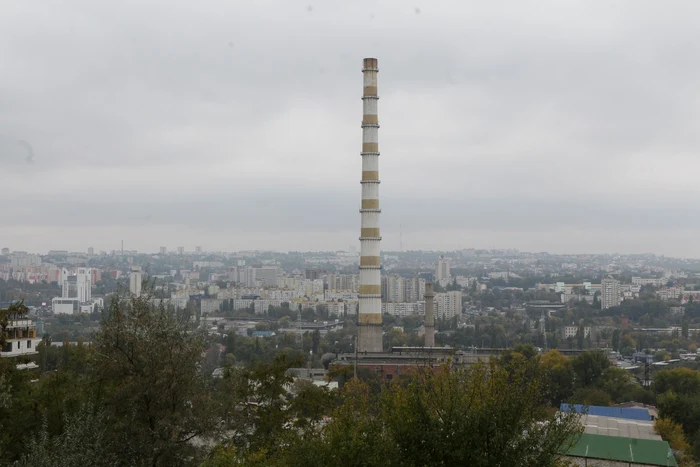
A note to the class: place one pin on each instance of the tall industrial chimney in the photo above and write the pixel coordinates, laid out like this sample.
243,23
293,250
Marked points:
370,313
429,316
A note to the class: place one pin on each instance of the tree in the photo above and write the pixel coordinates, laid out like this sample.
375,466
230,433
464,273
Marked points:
580,335
591,396
468,416
147,364
557,369
682,381
671,432
253,407
617,383
84,440
310,403
520,351
627,344
355,436
475,416
616,340
589,367
681,408
315,341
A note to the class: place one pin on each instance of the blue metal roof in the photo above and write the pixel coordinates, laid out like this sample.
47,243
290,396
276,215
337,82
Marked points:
616,412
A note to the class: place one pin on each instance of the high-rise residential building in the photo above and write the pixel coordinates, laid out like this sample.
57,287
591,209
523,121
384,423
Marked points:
402,289
609,293
313,273
267,276
22,259
370,311
163,250
349,282
78,285
246,276
198,249
5,251
392,289
91,251
135,281
442,269
429,316
181,250
414,289
449,304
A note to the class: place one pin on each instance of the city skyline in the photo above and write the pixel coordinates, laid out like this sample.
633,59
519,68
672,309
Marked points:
537,137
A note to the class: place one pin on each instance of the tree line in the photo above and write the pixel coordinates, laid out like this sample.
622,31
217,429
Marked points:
143,394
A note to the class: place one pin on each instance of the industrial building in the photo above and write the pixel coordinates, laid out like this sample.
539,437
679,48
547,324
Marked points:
616,451
618,436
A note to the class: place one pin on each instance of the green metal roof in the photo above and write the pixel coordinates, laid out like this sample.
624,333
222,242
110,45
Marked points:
638,451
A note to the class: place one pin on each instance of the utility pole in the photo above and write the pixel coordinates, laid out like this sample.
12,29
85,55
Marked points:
646,373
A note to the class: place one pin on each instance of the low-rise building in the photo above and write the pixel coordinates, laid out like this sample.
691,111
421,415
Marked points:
404,308
572,331
19,337
336,308
649,281
669,293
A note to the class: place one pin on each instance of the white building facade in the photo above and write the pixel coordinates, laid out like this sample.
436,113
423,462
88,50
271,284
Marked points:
609,293
448,304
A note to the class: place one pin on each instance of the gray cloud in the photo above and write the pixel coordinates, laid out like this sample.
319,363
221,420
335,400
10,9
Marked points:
501,122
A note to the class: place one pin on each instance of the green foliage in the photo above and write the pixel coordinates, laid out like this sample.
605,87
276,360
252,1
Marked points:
5,393
84,440
310,404
477,416
618,384
616,340
146,364
149,373
681,408
683,381
474,416
591,396
355,436
252,404
671,432
559,373
589,367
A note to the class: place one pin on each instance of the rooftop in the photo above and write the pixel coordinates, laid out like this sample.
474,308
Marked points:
637,451
615,412
610,426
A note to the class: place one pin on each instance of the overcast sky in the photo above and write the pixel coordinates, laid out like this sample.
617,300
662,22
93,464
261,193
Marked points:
565,126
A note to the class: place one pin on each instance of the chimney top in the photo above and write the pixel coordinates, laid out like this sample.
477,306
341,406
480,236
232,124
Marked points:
370,64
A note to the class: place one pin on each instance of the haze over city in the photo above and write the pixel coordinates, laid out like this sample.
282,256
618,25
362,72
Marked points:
559,126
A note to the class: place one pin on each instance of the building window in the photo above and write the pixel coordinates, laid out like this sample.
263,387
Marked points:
29,344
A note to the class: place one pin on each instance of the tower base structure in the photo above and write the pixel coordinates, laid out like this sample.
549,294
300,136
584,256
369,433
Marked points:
369,337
